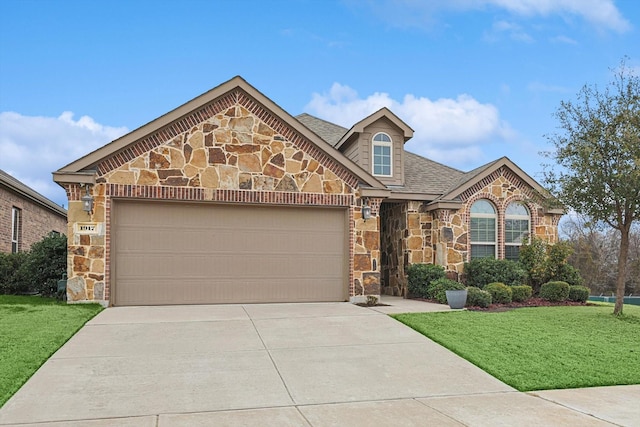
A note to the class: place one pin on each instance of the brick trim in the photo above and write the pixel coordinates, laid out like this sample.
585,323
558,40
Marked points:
233,196
235,97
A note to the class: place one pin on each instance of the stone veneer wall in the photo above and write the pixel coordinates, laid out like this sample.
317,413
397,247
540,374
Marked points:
232,150
410,234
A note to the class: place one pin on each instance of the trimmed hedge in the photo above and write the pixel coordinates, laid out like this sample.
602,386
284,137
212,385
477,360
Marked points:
476,297
482,271
521,293
438,288
555,291
500,293
419,277
578,293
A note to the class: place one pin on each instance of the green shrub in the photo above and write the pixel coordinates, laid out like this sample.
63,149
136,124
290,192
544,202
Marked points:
568,273
554,291
12,273
46,263
36,270
482,271
437,289
500,293
419,277
545,262
476,297
578,293
521,293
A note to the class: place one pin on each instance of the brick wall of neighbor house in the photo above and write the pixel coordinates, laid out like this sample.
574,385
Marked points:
410,234
37,222
231,150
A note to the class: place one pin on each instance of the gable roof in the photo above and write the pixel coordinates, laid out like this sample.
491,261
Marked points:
82,170
425,179
15,186
383,112
471,178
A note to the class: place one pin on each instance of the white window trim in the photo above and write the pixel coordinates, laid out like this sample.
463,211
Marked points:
493,216
382,144
15,228
517,217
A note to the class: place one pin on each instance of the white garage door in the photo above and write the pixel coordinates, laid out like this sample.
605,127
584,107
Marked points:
177,253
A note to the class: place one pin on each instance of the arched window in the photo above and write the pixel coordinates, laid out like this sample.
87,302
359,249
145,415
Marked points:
516,227
382,149
484,230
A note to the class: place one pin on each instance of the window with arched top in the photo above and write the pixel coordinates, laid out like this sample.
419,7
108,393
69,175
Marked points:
517,226
484,230
382,154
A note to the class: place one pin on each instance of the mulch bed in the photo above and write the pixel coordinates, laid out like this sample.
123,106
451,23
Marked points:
531,302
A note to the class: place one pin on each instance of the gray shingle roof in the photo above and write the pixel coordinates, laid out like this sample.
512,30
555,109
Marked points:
422,175
328,131
18,187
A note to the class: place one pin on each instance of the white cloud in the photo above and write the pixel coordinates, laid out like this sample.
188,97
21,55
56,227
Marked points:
32,147
602,14
514,31
563,39
446,129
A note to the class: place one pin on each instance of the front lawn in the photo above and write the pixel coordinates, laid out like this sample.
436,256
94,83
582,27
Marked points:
544,347
31,330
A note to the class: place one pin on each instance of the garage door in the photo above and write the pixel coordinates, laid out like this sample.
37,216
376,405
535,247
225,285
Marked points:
176,253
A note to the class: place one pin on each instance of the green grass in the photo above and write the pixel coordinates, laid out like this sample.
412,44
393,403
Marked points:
31,330
544,347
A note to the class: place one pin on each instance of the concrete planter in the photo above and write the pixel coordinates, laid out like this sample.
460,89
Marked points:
457,299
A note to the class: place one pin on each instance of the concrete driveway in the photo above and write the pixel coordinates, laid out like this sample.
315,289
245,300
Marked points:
329,364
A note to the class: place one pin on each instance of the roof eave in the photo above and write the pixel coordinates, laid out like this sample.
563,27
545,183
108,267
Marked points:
237,82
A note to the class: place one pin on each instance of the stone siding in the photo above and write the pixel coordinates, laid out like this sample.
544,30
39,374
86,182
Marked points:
410,234
37,221
229,151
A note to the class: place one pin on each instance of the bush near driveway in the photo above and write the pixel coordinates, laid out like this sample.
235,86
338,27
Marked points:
31,330
420,276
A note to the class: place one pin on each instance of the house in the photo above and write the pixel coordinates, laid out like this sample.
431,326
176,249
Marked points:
229,199
26,216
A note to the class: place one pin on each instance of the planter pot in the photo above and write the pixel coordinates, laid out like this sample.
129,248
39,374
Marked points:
457,299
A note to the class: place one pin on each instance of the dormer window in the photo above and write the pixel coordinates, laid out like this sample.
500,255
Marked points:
382,154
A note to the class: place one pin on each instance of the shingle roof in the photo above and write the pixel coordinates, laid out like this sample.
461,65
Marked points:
16,186
422,175
328,131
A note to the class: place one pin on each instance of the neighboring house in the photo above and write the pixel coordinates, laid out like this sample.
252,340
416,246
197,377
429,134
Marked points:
230,199
26,216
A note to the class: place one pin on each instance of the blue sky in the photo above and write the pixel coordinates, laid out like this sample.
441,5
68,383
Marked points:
475,79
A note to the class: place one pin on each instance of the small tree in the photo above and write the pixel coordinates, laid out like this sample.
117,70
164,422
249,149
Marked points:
598,154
